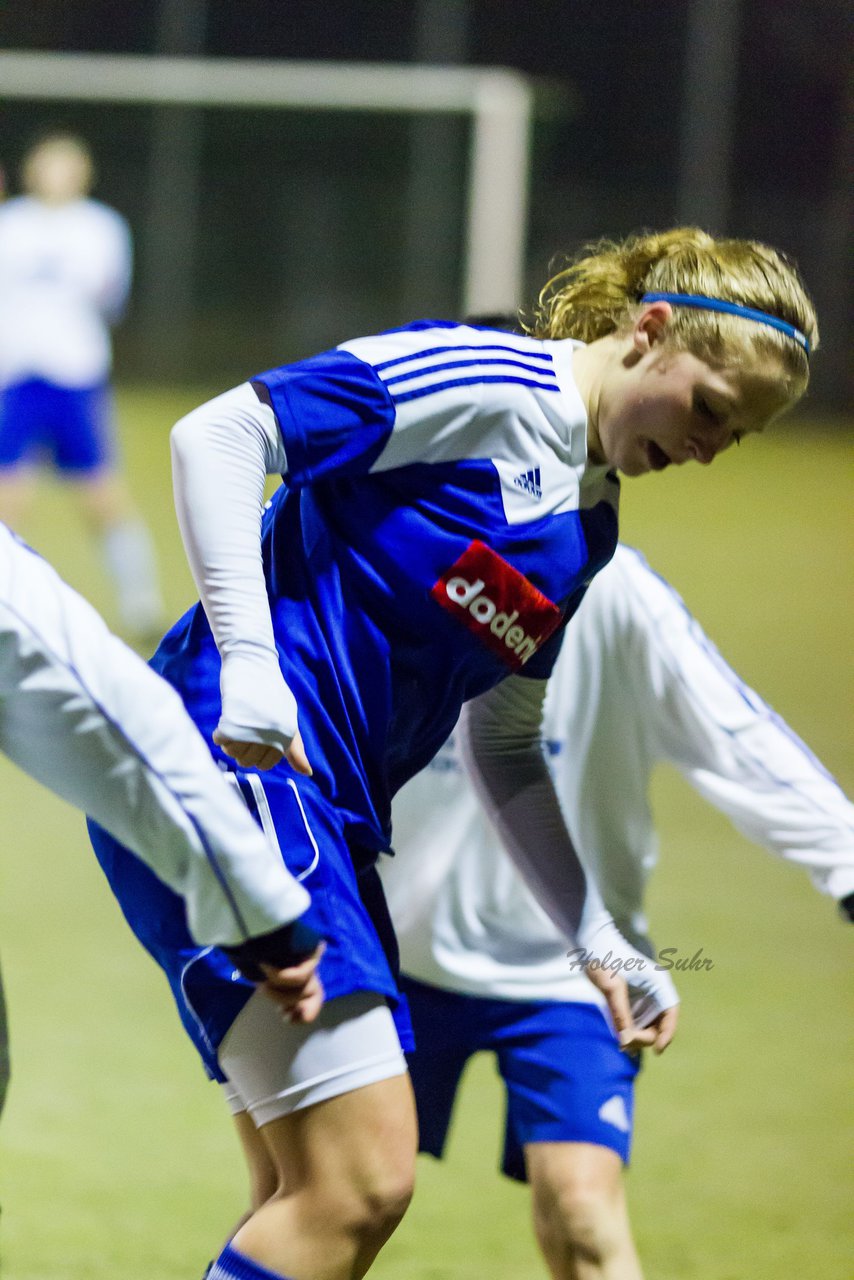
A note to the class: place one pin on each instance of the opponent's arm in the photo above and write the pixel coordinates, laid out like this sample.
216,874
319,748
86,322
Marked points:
500,738
222,453
742,757
85,716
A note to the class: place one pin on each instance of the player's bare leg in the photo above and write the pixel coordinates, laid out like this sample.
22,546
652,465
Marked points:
113,517
580,1214
263,1178
104,498
345,1169
17,491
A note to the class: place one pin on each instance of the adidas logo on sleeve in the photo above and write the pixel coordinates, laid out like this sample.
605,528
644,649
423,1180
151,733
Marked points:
498,604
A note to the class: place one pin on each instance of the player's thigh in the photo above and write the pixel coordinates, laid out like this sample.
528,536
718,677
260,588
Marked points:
332,1104
572,1174
363,1141
285,1076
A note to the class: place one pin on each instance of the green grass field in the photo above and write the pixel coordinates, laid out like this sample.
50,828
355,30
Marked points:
117,1156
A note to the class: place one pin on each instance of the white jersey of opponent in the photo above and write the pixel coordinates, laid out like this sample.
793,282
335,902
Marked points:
637,682
64,277
84,715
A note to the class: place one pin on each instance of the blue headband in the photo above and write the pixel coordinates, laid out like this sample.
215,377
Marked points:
733,309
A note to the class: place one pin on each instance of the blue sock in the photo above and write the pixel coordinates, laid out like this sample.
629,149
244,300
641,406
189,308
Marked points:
231,1265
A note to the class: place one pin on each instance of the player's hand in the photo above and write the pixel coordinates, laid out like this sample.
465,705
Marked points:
655,1034
258,725
298,990
258,755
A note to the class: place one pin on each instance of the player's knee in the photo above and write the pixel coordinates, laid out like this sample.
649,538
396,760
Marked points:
380,1202
579,1220
363,1209
364,1203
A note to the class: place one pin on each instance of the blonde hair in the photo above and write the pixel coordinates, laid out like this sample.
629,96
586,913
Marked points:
599,292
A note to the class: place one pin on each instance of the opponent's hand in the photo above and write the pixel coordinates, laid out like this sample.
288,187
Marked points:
298,990
655,1034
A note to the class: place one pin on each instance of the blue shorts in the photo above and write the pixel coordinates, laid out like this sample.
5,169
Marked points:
68,426
567,1079
348,909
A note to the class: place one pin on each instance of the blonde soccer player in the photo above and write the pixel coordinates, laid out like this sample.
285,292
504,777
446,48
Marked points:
450,492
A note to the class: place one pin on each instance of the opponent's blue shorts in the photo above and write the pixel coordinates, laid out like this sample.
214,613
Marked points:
348,909
68,426
567,1079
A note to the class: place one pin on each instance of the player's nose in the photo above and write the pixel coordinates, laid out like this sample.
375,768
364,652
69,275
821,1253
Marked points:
705,448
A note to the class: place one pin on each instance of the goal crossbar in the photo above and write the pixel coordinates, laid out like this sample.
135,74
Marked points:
499,102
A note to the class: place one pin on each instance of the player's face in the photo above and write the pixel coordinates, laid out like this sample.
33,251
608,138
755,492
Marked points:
57,172
671,407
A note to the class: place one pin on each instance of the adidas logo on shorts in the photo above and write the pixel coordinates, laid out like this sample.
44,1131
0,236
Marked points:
614,1112
497,603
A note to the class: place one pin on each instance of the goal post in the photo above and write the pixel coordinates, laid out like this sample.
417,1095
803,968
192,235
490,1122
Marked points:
499,103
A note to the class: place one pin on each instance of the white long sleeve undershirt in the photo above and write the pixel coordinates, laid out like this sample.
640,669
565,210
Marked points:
222,453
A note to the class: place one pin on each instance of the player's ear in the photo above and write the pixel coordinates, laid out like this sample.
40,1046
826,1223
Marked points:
650,326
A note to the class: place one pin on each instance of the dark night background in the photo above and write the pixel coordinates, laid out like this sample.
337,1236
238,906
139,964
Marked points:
304,228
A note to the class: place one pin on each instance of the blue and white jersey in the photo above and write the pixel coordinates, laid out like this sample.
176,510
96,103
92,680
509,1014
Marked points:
438,524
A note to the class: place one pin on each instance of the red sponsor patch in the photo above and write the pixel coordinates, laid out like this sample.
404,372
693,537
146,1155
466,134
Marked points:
498,604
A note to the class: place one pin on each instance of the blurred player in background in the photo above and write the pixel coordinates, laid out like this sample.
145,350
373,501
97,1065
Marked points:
82,714
637,683
65,269
449,494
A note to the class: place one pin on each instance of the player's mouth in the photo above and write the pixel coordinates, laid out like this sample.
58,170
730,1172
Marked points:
658,459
